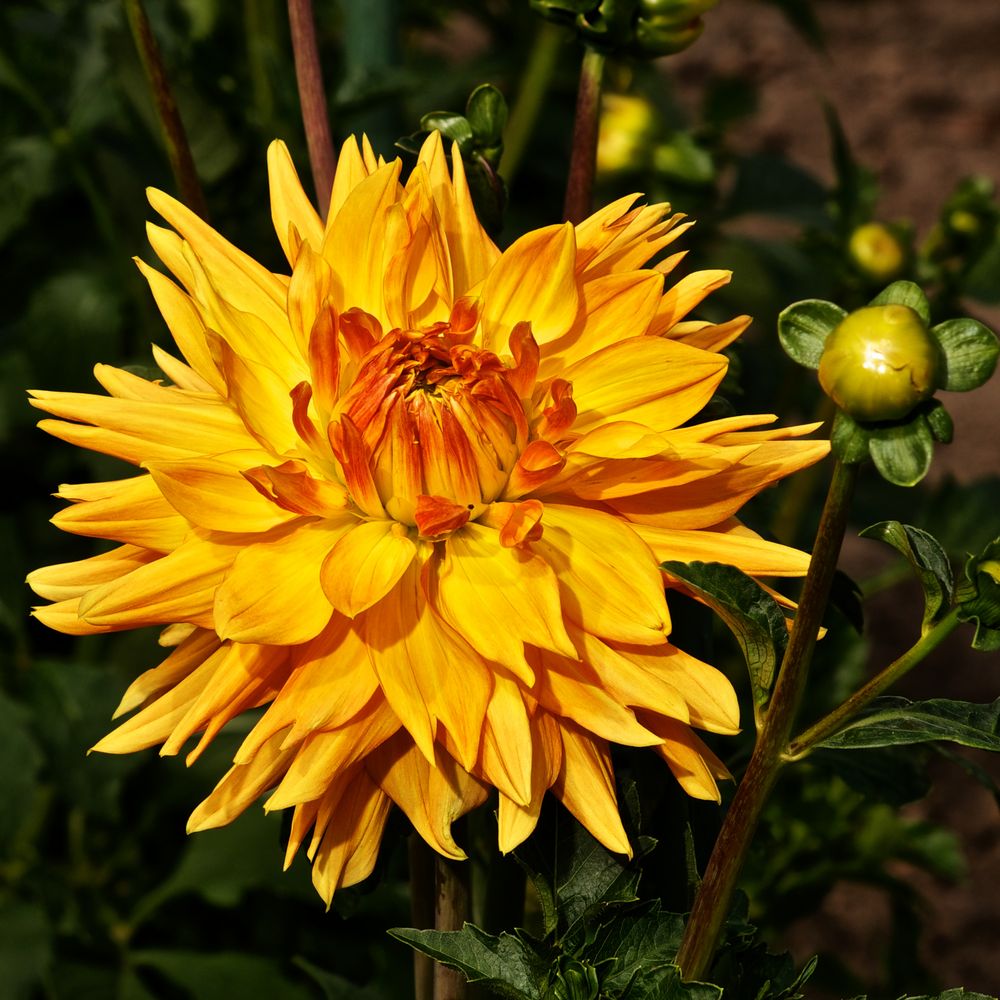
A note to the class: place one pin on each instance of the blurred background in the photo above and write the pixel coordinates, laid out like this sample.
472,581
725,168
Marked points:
787,131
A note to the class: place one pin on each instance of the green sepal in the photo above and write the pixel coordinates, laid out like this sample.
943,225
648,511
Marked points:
902,453
804,326
508,965
486,113
970,352
939,421
898,722
849,440
749,611
979,597
905,293
928,559
451,125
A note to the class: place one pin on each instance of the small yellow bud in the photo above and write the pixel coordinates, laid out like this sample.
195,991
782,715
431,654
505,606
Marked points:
876,250
879,363
964,222
627,123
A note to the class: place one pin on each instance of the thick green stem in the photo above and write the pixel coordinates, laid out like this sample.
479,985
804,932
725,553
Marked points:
530,98
583,158
714,898
312,99
833,722
174,136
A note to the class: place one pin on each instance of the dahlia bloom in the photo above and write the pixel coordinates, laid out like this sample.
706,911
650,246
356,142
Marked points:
413,499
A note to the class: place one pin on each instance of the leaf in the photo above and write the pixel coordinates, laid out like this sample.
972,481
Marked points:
486,111
452,126
979,597
505,964
751,614
804,326
575,877
939,421
635,943
928,559
850,440
226,973
666,984
335,987
886,774
970,353
902,453
905,293
899,721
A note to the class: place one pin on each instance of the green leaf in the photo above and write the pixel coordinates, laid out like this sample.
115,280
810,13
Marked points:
575,876
928,559
751,614
505,964
939,421
902,453
979,597
634,944
335,987
905,293
666,984
452,126
970,353
486,111
849,440
899,721
226,973
804,326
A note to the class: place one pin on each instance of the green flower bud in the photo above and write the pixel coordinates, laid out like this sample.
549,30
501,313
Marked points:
877,252
879,363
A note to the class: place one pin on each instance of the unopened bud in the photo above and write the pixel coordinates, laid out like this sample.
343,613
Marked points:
879,363
877,252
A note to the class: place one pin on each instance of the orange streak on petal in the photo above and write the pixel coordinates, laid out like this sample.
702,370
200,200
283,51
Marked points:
518,523
538,463
439,515
355,459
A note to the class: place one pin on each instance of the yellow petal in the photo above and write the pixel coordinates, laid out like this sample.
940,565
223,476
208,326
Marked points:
506,751
272,593
693,765
68,580
679,300
586,787
609,581
351,171
128,510
533,281
432,796
289,204
427,672
365,564
519,588
648,380
211,493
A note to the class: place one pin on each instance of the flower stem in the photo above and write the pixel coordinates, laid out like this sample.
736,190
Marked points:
530,98
583,158
712,903
451,910
833,722
312,98
422,871
174,136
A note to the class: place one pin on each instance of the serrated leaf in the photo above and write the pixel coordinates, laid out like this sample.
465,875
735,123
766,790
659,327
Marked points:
902,453
574,875
636,942
849,440
905,293
504,964
804,326
899,721
666,984
970,353
749,611
929,561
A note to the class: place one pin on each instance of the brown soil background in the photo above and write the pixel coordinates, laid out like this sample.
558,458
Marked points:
917,85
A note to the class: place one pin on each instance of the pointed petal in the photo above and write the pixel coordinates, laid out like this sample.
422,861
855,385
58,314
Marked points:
64,581
289,204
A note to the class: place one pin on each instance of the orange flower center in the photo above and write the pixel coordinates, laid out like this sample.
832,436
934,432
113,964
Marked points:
441,424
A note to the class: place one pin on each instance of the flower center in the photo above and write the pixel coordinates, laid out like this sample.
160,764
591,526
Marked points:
440,421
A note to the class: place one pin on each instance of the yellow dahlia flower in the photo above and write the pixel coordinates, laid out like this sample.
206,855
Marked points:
413,499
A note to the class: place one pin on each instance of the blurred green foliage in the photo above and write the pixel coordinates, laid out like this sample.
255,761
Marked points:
101,895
